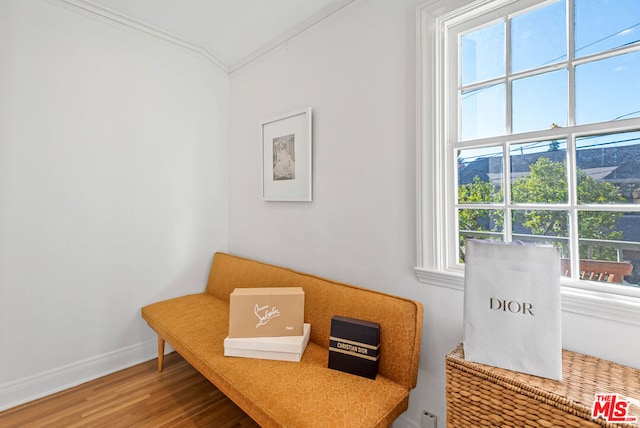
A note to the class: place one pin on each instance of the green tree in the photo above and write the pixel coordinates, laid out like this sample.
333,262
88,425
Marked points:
487,220
546,183
598,224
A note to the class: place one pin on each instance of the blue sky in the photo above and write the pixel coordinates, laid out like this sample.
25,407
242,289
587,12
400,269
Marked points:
539,38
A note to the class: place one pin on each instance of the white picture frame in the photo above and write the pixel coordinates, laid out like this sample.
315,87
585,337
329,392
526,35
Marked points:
287,157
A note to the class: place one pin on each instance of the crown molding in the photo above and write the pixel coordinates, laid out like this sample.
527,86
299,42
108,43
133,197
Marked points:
298,29
93,9
88,7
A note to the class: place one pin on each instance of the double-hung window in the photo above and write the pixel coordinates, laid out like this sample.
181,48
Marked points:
530,131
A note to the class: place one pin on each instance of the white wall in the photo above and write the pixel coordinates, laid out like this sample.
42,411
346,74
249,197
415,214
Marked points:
357,71
114,185
113,190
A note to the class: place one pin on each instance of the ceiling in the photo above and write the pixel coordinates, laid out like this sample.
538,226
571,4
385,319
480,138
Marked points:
231,31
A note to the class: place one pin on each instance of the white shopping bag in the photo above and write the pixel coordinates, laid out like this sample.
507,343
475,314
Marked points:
512,307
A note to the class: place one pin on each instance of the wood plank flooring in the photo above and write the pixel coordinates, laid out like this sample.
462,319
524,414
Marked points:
139,396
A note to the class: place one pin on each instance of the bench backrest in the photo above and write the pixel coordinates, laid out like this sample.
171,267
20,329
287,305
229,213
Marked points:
400,319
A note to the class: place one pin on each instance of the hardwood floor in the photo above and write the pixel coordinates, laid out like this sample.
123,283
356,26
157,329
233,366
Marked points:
135,397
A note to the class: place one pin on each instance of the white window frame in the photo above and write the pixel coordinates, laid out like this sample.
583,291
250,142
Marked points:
434,176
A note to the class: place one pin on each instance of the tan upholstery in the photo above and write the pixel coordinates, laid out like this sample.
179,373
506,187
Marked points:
290,394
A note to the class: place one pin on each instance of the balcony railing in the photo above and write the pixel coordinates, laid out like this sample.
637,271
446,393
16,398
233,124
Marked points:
625,251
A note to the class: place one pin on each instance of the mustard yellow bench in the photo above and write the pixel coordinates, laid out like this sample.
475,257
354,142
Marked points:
295,394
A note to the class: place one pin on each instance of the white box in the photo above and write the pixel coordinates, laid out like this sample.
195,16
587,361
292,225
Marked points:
283,348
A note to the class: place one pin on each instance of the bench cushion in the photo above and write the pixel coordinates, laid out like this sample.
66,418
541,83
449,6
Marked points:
400,319
274,393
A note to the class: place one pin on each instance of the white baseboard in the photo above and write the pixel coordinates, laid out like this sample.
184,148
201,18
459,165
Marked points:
404,422
51,381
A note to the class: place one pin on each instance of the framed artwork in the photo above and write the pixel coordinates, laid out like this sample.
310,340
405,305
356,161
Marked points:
287,157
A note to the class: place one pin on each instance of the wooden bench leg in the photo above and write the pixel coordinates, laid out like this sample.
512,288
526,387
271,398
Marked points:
160,353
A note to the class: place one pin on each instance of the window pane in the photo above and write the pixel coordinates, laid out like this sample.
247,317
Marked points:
538,172
602,25
482,54
611,236
539,37
483,112
540,102
542,227
608,168
478,224
608,89
480,175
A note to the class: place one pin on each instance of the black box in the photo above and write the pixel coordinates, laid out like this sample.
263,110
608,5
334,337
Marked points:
354,346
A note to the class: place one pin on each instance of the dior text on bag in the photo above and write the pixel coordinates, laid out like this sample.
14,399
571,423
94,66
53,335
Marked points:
512,307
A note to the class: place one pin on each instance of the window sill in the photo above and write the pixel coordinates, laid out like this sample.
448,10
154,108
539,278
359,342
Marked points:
591,303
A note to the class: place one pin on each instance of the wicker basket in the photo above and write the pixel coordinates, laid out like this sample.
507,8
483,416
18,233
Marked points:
485,396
